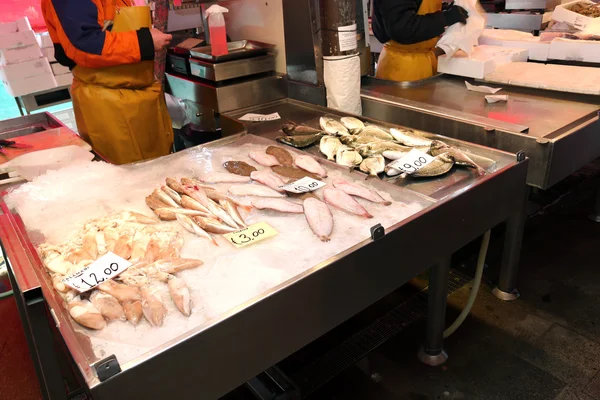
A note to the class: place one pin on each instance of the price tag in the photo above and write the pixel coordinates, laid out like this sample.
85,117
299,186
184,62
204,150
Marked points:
250,235
106,267
411,162
303,185
347,37
260,117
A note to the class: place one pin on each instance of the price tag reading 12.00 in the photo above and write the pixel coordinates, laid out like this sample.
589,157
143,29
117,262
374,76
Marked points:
413,161
250,235
303,185
106,267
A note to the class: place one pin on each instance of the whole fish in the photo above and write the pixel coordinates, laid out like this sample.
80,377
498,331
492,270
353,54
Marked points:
162,196
375,148
214,226
199,194
309,164
409,138
360,191
354,125
108,306
439,166
172,194
333,127
229,206
86,314
170,214
269,179
329,146
223,177
460,158
282,155
238,167
175,185
300,141
319,218
180,295
191,204
152,305
358,140
343,201
348,157
190,225
373,165
253,190
280,205
394,154
293,172
376,132
293,130
133,311
264,159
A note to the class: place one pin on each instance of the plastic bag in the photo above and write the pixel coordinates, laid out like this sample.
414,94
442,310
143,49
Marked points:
176,109
464,36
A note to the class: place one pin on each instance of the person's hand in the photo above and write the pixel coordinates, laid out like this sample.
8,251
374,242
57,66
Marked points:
161,40
455,15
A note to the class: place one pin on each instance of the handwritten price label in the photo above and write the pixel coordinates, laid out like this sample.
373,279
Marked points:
250,235
106,267
303,185
411,162
260,117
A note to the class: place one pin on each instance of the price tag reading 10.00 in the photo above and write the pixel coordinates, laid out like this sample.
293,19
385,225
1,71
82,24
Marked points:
106,267
250,235
303,185
413,161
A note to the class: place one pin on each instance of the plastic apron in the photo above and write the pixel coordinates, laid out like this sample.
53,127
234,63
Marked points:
121,110
399,62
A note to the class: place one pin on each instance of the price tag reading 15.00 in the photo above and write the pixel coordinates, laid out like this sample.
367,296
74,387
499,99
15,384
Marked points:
303,185
413,161
106,267
250,235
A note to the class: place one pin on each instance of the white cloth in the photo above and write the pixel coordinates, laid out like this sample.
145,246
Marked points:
342,82
464,36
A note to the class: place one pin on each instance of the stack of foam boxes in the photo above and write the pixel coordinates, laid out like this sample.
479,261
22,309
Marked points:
62,74
23,68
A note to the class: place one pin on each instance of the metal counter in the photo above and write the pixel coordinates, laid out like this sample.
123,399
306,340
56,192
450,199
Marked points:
211,360
558,132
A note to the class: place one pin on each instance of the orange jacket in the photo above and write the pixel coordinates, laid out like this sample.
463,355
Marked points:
76,31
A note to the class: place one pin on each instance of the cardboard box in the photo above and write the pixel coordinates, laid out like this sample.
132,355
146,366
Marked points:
23,24
48,52
58,69
17,39
64,80
44,40
19,55
34,84
8,27
483,61
575,50
27,69
563,13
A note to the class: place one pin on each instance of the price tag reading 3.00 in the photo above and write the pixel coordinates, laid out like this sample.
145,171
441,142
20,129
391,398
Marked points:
106,267
303,185
413,161
250,235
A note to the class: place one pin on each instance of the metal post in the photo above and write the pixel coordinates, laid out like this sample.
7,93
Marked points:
595,216
432,352
513,239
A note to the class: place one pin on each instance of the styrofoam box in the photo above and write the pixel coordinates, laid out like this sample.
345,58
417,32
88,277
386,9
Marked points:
17,39
58,69
23,24
482,62
19,55
538,51
44,40
8,27
27,69
562,13
64,80
48,52
33,84
575,50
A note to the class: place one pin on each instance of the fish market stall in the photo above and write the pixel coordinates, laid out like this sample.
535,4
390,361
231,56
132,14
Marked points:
557,131
221,304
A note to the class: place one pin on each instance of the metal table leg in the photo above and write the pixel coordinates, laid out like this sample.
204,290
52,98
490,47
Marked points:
432,352
507,283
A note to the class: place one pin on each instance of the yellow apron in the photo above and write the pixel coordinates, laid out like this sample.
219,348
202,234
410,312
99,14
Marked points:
121,110
399,62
